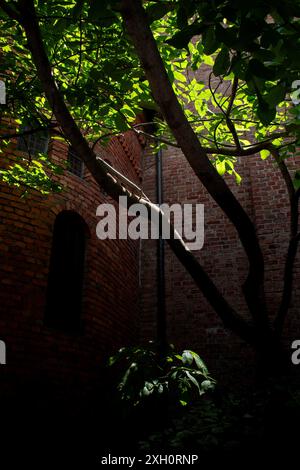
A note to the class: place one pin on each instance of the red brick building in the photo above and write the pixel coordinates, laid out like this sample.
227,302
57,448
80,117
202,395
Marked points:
40,349
192,323
118,296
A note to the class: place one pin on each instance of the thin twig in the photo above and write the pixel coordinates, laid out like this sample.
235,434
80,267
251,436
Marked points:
229,123
233,95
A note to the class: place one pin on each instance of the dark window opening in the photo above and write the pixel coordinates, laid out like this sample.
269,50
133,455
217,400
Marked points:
66,273
33,143
75,164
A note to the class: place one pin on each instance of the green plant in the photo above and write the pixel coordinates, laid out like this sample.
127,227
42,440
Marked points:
181,378
229,421
205,427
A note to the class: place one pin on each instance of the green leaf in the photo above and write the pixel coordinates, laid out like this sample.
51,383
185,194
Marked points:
187,357
238,177
206,385
239,67
120,122
61,25
277,141
209,41
101,13
193,380
226,35
181,39
180,76
222,62
221,168
158,10
276,95
258,69
200,364
264,154
76,12
265,113
146,392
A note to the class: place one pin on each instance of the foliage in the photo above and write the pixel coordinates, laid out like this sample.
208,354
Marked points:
33,174
228,422
251,44
181,378
206,427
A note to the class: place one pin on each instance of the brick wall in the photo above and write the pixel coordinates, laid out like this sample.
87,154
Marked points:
117,298
191,321
43,356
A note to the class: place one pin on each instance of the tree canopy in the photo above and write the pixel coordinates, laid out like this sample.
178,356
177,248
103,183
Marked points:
253,50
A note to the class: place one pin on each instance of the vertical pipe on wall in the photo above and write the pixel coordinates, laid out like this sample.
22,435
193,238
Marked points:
161,298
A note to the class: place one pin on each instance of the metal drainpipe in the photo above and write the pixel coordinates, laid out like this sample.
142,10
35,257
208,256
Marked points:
161,298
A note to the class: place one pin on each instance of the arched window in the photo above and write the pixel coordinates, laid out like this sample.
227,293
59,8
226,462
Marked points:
66,272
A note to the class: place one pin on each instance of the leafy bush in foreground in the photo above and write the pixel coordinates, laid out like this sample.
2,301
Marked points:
179,378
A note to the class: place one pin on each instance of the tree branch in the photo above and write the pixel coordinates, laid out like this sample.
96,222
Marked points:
231,151
102,175
293,244
229,122
104,136
288,285
284,172
137,27
233,95
30,132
